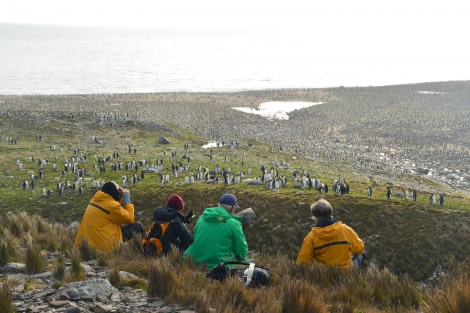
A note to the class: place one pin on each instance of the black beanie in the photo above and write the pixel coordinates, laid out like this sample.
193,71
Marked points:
111,189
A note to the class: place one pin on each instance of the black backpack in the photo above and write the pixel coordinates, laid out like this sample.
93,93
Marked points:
253,276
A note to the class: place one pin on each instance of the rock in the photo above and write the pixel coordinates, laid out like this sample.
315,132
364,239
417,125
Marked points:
101,308
453,176
250,181
127,275
90,289
87,268
14,268
163,141
149,170
58,303
422,171
44,275
249,217
74,224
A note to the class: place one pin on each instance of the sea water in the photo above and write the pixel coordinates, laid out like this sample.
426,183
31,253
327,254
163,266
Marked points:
37,60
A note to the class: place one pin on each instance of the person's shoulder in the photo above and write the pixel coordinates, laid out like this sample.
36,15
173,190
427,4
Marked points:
234,220
166,213
341,224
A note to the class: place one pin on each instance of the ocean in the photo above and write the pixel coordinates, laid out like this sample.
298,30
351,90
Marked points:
44,60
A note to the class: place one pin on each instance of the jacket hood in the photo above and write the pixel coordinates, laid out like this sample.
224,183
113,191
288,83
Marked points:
217,215
327,229
165,214
100,196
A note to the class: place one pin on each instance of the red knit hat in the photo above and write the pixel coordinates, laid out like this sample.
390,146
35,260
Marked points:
175,202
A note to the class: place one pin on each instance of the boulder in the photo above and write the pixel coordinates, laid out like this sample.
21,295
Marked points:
14,268
163,141
422,170
249,217
149,170
250,181
453,176
94,289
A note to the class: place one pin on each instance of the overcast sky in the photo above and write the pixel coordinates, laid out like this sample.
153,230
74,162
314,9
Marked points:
435,29
439,17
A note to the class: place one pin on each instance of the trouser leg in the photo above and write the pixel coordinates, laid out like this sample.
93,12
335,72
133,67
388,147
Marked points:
358,260
129,230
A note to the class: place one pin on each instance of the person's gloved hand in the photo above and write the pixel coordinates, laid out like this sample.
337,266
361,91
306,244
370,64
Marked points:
126,198
189,217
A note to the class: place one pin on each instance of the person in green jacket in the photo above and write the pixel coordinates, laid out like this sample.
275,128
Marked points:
218,235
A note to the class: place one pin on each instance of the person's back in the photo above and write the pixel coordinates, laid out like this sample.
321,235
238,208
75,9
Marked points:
218,235
103,218
330,241
176,234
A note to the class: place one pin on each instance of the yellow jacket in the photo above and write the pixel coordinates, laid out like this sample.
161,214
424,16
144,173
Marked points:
330,242
101,223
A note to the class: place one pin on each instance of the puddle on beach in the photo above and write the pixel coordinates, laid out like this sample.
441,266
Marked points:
276,110
270,110
210,144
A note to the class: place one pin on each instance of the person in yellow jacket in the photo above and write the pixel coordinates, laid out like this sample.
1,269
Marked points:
106,223
330,241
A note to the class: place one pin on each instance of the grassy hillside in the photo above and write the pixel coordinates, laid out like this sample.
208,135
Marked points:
400,235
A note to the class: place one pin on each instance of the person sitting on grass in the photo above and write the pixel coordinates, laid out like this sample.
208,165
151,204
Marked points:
218,235
176,234
106,223
330,241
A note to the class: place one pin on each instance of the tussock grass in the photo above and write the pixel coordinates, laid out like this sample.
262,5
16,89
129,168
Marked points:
6,252
35,262
454,294
162,281
87,252
301,297
283,216
76,272
114,277
6,298
292,288
405,241
59,270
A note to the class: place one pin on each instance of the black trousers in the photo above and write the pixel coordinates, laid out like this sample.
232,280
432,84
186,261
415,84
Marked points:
129,231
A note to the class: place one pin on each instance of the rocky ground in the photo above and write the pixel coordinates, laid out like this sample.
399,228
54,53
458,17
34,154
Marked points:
94,295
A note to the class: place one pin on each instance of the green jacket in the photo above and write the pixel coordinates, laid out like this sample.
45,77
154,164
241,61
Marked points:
218,237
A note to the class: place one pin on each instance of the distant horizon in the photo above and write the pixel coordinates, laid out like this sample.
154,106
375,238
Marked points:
58,60
243,91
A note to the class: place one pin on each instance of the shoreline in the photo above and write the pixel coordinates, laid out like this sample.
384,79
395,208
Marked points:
233,91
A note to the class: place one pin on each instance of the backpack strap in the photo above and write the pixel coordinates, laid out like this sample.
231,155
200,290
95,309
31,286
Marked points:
249,274
99,207
235,263
149,240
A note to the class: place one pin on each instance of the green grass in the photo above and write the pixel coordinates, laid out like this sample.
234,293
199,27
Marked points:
402,236
6,298
405,240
